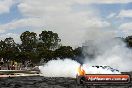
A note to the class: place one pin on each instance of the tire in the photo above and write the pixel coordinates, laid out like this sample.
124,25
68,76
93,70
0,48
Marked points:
81,80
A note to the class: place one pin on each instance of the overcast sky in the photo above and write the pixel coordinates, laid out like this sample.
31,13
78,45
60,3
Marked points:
71,19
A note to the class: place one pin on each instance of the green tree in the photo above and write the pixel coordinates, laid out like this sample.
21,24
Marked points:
128,40
47,55
29,40
8,49
2,45
64,52
50,39
78,52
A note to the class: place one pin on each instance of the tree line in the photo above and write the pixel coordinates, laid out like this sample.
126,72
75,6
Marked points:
45,46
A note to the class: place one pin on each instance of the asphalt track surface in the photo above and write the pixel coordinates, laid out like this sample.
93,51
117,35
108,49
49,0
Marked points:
46,82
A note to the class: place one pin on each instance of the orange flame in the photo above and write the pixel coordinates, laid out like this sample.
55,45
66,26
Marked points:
81,71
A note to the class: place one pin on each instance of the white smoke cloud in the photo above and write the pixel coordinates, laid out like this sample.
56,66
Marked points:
102,69
60,68
106,49
69,68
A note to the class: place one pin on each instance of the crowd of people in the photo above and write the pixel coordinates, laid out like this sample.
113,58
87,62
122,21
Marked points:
14,65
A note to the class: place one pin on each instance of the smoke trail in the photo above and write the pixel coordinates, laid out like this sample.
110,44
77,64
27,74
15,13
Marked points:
69,68
103,48
60,68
